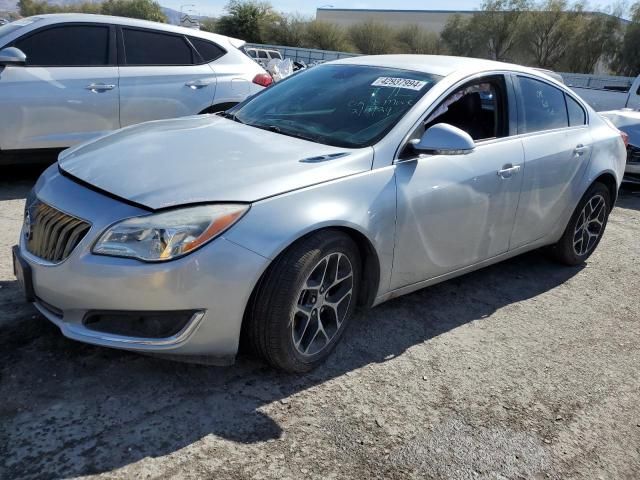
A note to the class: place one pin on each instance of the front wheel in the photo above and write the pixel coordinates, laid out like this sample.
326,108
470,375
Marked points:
305,301
585,228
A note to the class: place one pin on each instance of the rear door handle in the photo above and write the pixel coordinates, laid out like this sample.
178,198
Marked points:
196,84
580,149
508,170
99,87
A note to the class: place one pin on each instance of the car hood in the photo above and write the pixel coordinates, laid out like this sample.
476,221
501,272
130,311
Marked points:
205,159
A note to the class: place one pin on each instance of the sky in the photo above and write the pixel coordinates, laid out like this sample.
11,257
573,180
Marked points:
216,7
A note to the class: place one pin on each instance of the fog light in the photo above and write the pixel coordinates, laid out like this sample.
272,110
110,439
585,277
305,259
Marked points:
139,324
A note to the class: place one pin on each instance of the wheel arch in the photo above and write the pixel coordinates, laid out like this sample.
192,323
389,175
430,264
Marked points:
609,181
370,271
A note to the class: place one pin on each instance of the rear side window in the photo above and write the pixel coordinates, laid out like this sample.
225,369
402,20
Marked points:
207,50
262,54
543,106
68,46
143,47
577,115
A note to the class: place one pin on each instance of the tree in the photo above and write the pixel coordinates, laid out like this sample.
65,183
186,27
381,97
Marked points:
246,19
596,38
547,31
627,60
372,38
415,39
28,8
208,24
496,27
326,36
455,36
143,9
287,30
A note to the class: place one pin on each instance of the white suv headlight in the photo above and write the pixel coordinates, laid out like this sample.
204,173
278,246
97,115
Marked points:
168,235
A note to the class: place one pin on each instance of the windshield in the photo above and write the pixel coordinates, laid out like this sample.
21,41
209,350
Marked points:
351,106
17,25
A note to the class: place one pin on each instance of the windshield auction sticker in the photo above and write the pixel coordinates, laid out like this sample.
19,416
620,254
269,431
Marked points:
395,82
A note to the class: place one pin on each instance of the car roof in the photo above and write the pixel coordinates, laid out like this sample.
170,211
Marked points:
53,18
435,64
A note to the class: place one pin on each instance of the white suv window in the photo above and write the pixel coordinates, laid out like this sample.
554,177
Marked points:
67,46
144,47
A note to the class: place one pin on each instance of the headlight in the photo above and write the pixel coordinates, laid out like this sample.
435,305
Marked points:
168,235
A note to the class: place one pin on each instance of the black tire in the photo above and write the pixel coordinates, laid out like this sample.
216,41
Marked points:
272,317
566,251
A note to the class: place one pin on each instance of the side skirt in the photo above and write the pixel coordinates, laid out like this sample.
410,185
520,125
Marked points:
456,273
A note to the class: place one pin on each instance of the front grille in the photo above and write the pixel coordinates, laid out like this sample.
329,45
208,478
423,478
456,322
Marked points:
633,154
51,234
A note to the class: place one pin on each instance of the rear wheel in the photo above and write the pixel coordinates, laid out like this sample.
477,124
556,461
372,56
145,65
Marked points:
305,301
585,228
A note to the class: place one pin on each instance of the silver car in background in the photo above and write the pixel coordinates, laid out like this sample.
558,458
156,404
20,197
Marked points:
348,184
68,78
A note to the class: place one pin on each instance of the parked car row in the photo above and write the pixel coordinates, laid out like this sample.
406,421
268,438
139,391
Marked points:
68,78
345,185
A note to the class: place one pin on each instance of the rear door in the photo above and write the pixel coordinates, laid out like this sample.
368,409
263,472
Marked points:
557,148
161,76
66,93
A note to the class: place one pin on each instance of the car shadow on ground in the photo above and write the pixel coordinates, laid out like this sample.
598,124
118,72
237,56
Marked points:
629,196
72,409
17,180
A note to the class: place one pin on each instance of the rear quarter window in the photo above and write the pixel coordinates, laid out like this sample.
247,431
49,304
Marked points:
577,115
209,51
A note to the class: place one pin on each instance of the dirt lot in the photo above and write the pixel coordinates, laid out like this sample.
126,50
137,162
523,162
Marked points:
523,370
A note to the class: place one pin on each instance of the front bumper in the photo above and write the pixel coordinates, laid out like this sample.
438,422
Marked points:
214,282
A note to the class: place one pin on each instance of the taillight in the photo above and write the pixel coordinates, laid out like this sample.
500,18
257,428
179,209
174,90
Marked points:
625,138
263,79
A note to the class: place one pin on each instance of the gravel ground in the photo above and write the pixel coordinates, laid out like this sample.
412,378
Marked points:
525,369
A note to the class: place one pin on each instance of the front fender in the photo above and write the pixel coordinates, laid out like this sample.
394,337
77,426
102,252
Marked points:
364,202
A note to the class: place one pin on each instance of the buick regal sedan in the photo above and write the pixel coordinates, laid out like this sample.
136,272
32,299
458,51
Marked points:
348,184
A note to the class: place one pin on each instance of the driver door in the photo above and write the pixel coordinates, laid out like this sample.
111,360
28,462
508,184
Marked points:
454,211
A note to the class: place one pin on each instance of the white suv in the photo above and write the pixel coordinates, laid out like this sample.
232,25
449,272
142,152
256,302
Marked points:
67,78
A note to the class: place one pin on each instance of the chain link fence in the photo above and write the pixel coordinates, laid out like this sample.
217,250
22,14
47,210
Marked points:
312,56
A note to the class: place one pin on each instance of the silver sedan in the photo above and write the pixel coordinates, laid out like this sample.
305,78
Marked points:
346,185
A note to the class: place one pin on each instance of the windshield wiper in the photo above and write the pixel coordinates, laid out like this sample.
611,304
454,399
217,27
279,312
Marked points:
288,133
230,116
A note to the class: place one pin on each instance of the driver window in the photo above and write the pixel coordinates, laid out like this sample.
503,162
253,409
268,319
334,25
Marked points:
478,108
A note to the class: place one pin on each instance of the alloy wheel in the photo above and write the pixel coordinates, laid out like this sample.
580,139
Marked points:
323,303
589,226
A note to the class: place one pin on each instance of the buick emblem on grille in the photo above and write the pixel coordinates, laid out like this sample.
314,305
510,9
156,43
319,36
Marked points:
26,228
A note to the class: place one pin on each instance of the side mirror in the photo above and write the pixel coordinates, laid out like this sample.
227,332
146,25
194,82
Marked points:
12,56
444,139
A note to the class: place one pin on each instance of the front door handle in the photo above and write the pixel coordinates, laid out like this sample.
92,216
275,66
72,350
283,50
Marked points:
508,170
99,87
580,149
